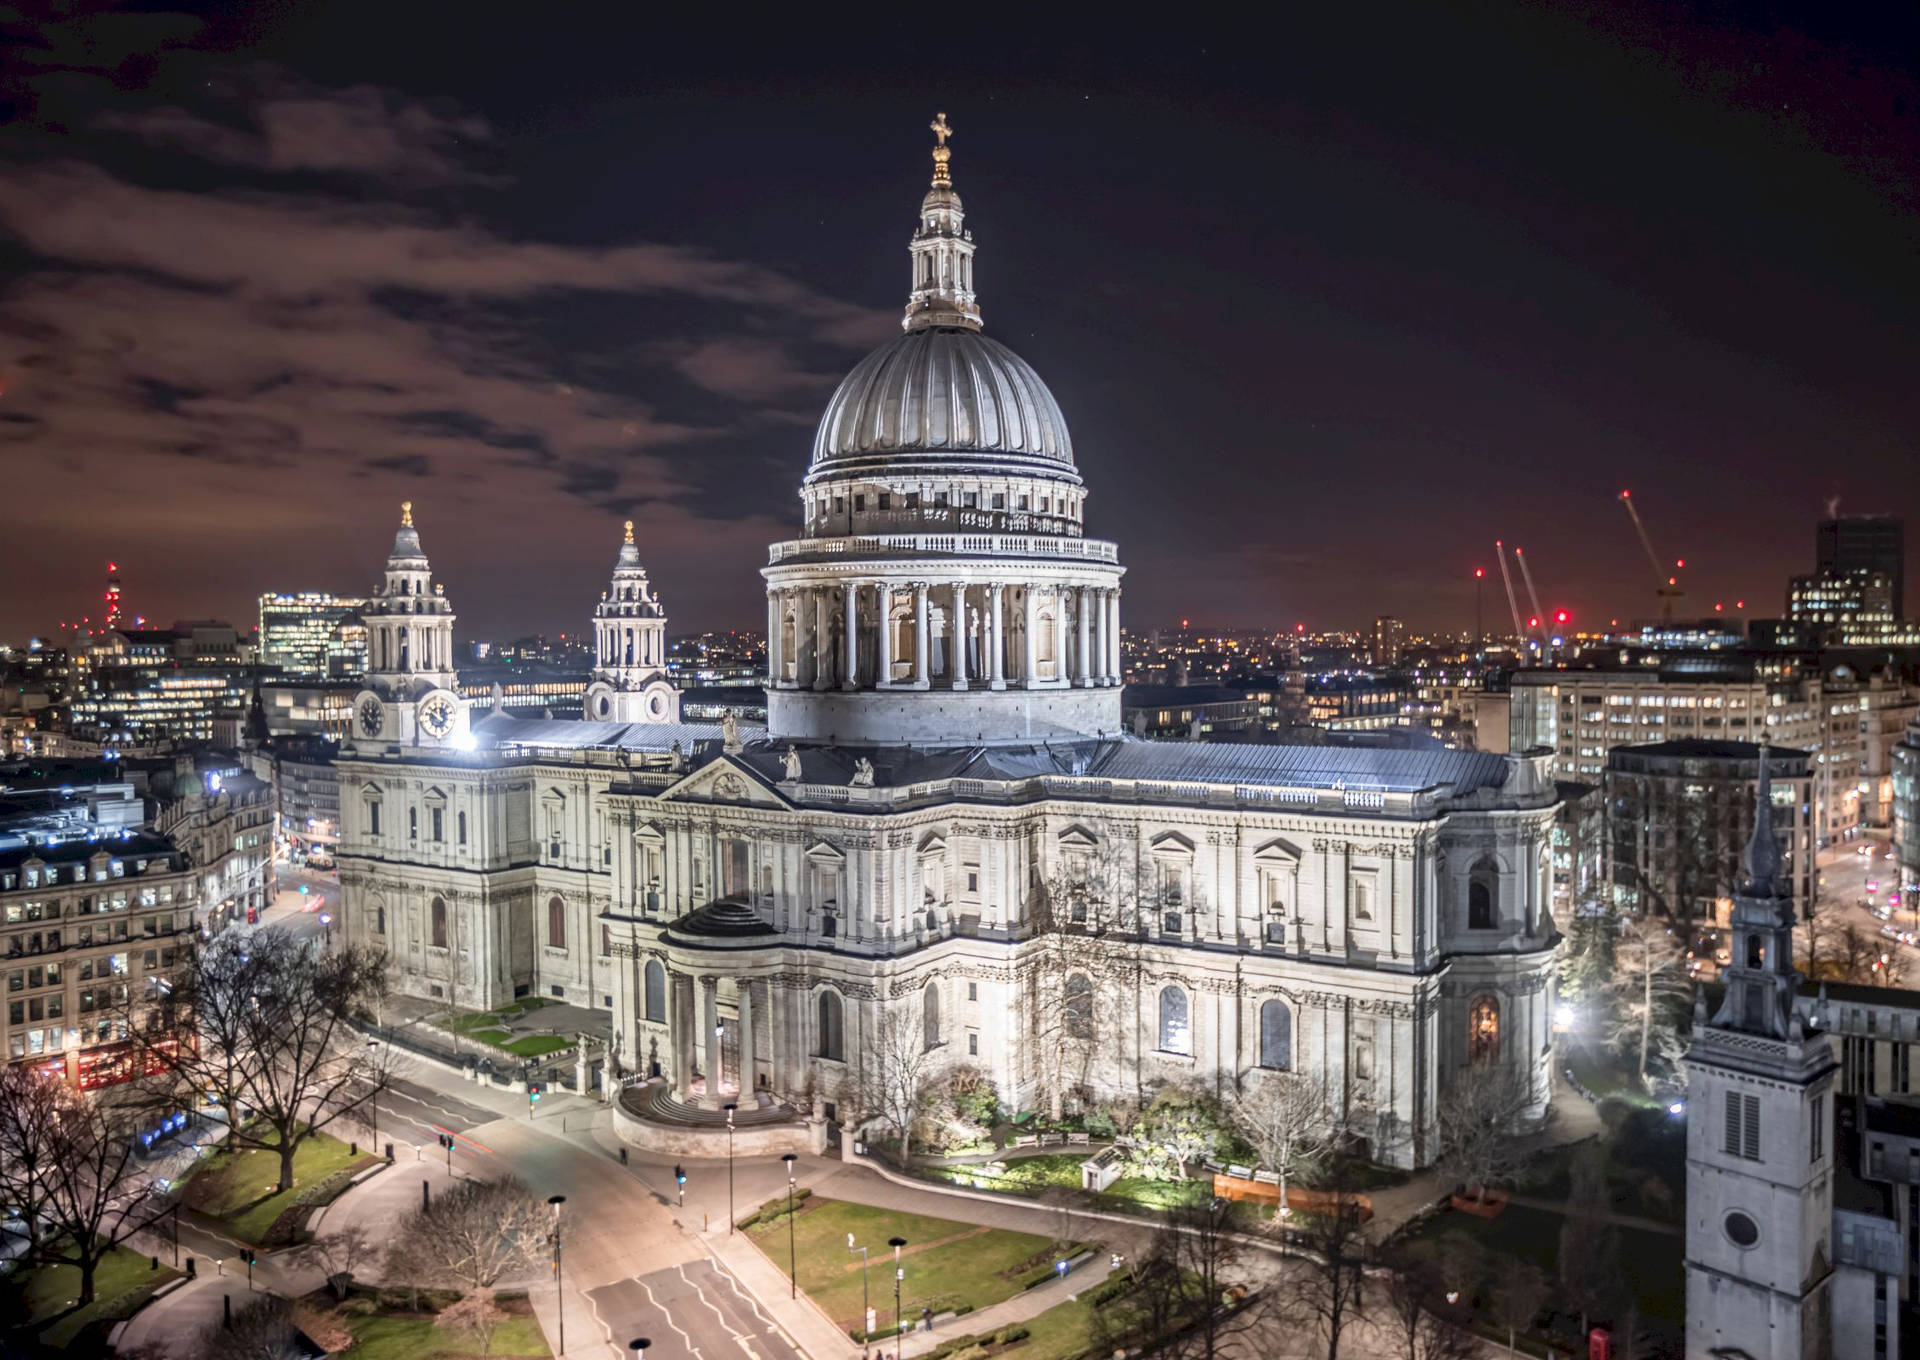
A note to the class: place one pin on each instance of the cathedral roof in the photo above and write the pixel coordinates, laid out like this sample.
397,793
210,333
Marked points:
943,391
501,729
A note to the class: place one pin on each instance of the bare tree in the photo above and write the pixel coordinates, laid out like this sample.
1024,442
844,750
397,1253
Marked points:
1080,912
475,1235
263,1328
66,1166
273,1040
339,1254
1649,993
1192,1296
1482,1125
1328,1287
1284,1116
1518,1295
1412,1289
895,1074
477,1315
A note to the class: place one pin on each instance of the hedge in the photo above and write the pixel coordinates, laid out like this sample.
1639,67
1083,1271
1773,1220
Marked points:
773,1211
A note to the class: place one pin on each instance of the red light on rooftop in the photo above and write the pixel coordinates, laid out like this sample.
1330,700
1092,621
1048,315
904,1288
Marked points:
1479,572
1562,616
1680,564
1533,623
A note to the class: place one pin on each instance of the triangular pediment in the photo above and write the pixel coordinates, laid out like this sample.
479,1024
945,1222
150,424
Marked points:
723,781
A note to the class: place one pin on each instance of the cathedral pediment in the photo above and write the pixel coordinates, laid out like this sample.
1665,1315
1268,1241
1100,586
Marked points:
723,781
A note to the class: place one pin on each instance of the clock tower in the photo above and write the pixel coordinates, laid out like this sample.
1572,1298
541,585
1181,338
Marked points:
412,696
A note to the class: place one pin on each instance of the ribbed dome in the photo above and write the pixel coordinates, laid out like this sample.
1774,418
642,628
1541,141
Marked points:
942,389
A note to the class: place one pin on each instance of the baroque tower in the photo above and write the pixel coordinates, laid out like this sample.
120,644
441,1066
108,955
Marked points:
1759,1138
412,694
630,681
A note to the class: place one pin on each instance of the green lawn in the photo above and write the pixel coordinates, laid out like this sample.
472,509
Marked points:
947,1263
416,1338
1607,1076
238,1188
492,1028
1015,1175
122,1282
1063,1330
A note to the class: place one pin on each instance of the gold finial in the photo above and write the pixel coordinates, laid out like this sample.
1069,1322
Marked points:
629,531
406,514
941,155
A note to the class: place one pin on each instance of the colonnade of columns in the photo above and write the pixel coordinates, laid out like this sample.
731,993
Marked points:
894,642
698,1034
636,643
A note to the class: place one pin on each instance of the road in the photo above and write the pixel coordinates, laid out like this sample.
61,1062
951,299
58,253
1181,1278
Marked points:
1845,871
705,1312
305,914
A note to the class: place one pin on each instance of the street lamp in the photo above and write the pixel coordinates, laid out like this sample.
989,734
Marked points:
866,1309
326,923
373,1100
793,1268
899,1274
731,1106
560,1299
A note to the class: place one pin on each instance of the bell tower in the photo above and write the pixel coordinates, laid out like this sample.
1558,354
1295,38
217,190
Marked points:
630,681
1760,1137
412,694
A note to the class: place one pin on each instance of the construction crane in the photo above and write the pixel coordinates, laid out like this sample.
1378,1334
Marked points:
1500,552
1666,586
1526,574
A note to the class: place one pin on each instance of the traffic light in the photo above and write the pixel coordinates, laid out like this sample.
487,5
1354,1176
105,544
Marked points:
679,1174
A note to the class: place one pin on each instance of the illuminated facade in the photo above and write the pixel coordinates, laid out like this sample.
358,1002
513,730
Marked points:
311,635
943,830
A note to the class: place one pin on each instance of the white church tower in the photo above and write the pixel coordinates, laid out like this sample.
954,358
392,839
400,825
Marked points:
1759,1140
412,695
630,682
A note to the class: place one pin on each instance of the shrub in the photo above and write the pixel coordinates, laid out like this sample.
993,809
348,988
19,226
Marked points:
1014,1332
1100,1124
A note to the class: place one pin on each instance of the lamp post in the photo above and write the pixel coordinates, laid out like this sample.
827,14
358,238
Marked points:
731,1107
899,1274
793,1265
866,1309
373,1100
639,1347
326,924
559,1284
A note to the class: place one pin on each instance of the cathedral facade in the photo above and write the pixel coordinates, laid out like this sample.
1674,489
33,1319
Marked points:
942,842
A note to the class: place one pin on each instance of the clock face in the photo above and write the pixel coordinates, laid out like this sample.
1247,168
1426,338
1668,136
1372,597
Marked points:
436,715
371,716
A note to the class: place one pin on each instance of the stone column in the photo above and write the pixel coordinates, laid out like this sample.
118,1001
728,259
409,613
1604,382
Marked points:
1060,672
681,1037
1030,656
850,676
920,635
1082,662
884,653
1115,666
996,640
959,666
710,987
747,1083
822,639
1099,604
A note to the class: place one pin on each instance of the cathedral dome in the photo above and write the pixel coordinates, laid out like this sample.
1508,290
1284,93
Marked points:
942,390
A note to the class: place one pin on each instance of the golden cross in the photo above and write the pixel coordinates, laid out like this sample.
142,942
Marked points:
629,531
940,129
406,514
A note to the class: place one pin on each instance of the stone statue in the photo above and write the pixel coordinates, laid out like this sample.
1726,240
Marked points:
730,733
676,758
790,765
862,774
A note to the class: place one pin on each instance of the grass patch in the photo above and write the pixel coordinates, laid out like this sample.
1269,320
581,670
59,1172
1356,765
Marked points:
948,1264
120,1285
1609,1079
416,1338
1016,1175
537,1045
237,1188
494,1028
1130,1194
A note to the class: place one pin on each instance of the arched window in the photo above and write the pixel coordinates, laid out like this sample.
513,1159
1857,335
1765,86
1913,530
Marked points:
556,923
1483,1030
1276,1036
437,923
1483,888
379,920
656,991
413,823
930,1015
1078,1006
460,827
833,1035
1175,1034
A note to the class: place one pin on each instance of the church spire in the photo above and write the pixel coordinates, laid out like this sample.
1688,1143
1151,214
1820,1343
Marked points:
1761,978
942,250
1762,860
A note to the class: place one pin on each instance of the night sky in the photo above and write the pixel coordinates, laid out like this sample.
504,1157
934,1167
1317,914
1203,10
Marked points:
1329,305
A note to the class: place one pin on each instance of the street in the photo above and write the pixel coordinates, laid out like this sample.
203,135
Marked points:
305,914
704,1310
1846,871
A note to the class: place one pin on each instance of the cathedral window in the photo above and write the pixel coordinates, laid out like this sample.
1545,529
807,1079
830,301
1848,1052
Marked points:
437,923
1176,1035
413,824
373,819
1483,1030
930,1016
438,819
832,1027
1077,1006
379,920
460,827
1740,1126
556,923
1756,952
656,992
1482,889
1276,1036
1366,889
1817,1131
735,878
859,504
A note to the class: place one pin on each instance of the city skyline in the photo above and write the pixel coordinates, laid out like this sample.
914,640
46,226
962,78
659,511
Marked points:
538,307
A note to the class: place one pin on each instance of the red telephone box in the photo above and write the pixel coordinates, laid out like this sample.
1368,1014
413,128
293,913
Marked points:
1599,1344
